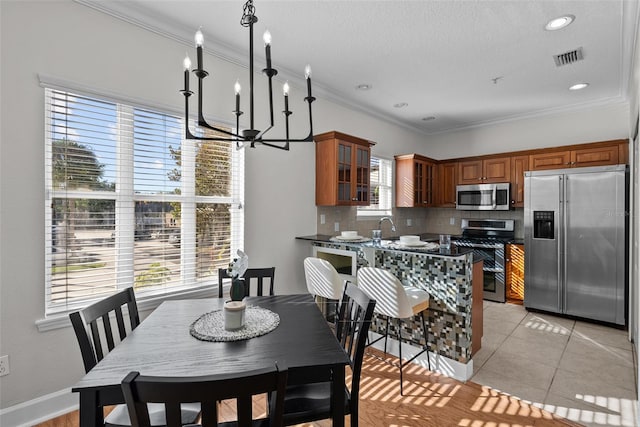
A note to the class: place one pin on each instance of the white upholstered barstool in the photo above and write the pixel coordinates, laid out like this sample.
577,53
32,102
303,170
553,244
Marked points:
322,279
395,301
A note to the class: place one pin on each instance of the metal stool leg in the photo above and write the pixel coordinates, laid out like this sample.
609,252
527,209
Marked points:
426,341
400,354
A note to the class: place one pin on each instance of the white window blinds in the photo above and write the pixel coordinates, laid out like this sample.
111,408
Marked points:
380,190
129,203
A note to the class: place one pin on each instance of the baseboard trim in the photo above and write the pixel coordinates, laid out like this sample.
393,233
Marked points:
40,409
441,364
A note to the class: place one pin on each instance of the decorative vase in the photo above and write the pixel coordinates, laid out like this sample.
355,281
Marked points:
234,315
237,291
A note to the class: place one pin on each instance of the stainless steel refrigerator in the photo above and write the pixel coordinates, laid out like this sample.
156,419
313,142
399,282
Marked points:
575,242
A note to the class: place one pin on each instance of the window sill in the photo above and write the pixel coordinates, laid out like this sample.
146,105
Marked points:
61,320
373,213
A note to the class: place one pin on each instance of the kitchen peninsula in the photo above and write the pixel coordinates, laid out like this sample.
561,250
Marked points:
453,280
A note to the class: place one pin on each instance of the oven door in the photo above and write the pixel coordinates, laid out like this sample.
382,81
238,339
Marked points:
493,272
482,197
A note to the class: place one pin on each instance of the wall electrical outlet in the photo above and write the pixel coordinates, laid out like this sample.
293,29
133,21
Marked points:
4,366
336,226
452,221
408,222
323,218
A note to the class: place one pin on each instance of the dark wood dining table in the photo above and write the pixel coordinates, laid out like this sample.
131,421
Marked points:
162,345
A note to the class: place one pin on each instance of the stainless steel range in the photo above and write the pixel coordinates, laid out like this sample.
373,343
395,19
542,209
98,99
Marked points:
488,238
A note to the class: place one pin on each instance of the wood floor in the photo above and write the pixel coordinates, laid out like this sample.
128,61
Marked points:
430,400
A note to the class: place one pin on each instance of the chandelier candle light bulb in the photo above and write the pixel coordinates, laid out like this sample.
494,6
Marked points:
307,75
237,88
285,91
187,70
267,47
199,38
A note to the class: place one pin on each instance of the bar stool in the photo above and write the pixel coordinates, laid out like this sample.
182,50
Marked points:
323,279
394,301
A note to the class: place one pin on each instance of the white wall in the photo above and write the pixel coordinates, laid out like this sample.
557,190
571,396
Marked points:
75,43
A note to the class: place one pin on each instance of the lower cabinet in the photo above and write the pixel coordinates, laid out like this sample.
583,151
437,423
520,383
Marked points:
514,283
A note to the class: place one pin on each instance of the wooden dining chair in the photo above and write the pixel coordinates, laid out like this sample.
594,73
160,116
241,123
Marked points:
254,278
312,402
98,318
139,390
97,315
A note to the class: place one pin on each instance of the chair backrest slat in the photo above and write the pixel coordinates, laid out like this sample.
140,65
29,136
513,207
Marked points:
138,390
91,346
259,274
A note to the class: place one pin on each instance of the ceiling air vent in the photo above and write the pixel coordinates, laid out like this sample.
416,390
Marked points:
568,57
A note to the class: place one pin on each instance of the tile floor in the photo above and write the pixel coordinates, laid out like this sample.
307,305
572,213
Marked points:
582,371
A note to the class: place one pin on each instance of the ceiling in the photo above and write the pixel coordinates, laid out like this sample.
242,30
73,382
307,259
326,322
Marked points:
465,63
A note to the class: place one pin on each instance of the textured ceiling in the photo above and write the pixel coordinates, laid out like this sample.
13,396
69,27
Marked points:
467,63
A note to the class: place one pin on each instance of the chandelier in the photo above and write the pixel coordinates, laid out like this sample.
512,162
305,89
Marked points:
252,135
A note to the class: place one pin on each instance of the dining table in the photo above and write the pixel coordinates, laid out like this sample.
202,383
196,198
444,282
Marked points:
162,345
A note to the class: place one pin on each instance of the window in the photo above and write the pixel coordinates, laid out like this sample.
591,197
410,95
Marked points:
129,202
380,197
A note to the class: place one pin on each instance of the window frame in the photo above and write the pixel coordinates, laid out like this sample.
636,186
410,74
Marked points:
147,299
369,212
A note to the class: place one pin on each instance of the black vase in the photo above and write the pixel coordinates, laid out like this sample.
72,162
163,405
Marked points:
237,291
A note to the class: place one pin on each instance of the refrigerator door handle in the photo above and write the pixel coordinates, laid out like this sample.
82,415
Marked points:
563,243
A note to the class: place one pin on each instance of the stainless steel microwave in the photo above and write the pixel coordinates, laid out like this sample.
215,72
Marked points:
483,197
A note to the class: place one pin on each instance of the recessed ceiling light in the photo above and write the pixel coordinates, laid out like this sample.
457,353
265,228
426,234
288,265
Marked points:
428,119
578,86
363,86
400,105
560,22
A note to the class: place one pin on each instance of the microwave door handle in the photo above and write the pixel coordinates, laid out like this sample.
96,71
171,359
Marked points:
493,197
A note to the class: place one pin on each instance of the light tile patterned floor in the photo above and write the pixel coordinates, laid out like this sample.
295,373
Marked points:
582,371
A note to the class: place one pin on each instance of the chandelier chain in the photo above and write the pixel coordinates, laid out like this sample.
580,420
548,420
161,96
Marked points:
248,14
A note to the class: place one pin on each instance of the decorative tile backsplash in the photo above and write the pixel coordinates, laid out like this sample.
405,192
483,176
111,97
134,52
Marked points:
422,220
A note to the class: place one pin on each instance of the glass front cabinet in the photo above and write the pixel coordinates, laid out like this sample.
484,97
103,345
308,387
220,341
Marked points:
342,170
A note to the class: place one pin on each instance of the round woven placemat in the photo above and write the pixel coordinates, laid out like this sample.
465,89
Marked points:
258,321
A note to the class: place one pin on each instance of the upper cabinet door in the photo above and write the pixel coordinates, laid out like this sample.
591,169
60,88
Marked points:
484,171
550,160
601,156
470,172
415,181
447,179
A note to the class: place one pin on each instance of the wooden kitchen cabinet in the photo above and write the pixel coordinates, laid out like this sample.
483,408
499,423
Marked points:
519,165
597,154
514,266
342,170
415,181
483,171
446,181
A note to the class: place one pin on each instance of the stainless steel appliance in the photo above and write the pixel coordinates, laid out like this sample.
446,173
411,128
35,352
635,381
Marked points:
488,238
575,242
483,197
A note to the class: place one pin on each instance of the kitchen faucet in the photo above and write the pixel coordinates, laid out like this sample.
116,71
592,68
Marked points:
388,218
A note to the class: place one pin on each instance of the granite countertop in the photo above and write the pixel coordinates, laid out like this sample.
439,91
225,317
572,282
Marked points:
428,237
